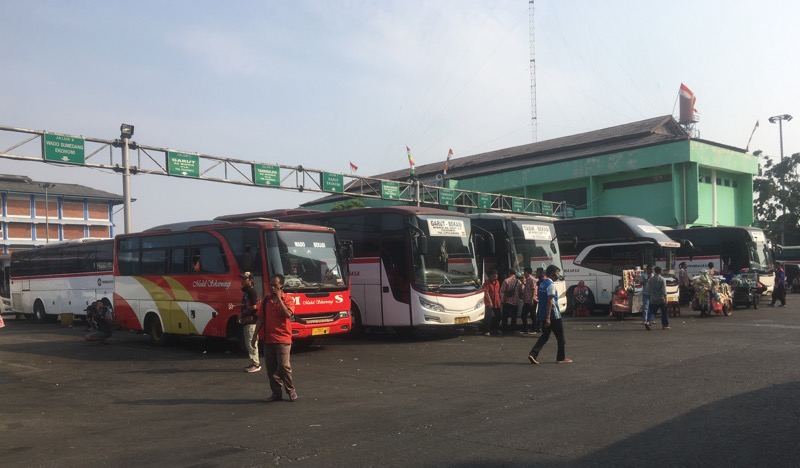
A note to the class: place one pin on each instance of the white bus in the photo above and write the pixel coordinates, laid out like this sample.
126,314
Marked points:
597,249
62,277
738,247
5,287
411,266
518,241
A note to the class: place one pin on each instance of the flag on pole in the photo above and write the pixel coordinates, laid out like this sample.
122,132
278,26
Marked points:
447,162
353,167
687,101
411,161
751,138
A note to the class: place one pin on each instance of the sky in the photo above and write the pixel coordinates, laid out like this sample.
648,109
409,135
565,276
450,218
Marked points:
323,83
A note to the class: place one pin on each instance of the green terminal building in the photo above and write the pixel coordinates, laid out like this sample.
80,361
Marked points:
651,169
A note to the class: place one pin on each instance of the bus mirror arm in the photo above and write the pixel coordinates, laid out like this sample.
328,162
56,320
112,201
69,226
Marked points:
689,246
421,240
489,236
573,241
346,249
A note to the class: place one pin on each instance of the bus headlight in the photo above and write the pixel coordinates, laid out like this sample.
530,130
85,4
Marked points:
344,314
479,305
431,305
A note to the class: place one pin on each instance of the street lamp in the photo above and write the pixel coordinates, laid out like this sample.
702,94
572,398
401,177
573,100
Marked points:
779,119
47,186
126,132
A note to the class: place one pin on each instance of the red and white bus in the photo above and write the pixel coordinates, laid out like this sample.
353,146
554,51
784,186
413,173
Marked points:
412,266
184,278
61,277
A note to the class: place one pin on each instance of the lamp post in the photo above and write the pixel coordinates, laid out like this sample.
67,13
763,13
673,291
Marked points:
47,186
126,132
779,119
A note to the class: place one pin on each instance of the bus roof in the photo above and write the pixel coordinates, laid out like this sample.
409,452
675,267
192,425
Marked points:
299,213
512,217
261,223
610,228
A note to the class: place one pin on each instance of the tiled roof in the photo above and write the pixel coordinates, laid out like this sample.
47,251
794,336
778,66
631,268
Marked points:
23,184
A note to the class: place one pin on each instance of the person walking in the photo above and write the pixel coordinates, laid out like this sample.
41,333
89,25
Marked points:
510,292
550,314
779,290
491,300
685,285
278,309
657,288
247,318
528,302
539,278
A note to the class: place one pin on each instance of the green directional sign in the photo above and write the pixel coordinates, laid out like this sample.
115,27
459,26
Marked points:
183,164
485,201
332,182
517,205
447,196
63,148
390,190
266,175
547,208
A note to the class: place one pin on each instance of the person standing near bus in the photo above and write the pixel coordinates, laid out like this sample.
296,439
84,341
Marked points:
657,289
528,296
491,301
685,285
247,318
539,278
510,292
647,273
779,290
278,310
551,316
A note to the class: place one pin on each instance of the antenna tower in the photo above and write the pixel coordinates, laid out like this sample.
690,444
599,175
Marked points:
533,71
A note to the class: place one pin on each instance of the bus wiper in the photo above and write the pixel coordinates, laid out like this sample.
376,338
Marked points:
445,280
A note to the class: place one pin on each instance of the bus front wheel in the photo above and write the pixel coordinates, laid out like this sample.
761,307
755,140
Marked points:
39,312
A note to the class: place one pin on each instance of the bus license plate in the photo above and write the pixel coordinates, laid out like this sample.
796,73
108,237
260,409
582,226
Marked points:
320,331
460,320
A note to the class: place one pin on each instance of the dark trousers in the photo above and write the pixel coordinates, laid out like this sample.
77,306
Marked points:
509,314
557,328
279,370
491,319
685,297
779,294
527,311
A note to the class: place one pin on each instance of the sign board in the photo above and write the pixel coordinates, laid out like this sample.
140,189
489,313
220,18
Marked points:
390,190
332,182
485,201
517,205
183,164
446,227
547,208
64,149
264,174
537,232
447,196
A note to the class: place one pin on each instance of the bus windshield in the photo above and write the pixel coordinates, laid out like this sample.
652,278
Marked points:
449,263
308,260
533,246
761,257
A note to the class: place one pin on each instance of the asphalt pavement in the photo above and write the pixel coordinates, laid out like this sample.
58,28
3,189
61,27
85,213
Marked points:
715,391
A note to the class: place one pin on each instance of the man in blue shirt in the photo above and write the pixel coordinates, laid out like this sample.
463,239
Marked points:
550,315
779,290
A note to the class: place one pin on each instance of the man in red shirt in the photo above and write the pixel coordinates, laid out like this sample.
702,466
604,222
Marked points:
277,311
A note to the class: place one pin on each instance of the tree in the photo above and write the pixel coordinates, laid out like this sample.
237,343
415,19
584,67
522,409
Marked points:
348,205
778,201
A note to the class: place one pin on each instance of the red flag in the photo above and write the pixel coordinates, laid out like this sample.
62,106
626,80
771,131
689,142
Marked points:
751,137
411,161
687,109
447,163
353,167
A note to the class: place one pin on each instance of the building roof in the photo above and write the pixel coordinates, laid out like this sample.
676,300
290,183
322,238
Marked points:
26,185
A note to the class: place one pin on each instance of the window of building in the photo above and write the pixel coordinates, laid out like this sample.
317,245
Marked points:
576,196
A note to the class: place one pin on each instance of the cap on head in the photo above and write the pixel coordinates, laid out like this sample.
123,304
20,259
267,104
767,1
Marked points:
247,275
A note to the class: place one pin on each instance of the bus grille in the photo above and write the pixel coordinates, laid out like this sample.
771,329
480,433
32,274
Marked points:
317,319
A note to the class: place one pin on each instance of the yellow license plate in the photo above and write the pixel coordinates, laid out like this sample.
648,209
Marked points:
320,331
459,320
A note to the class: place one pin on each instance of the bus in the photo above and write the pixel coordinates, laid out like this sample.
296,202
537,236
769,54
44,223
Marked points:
61,277
411,266
739,247
518,241
5,284
596,250
185,278
789,256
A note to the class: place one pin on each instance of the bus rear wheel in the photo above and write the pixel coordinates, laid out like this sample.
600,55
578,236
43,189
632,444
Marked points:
39,312
157,335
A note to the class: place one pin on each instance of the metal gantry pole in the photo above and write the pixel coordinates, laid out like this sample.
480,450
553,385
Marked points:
126,132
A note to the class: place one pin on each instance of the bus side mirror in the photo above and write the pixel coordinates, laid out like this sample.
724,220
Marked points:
687,244
346,249
422,245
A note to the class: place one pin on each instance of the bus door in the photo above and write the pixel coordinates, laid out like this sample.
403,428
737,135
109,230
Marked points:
395,283
365,289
